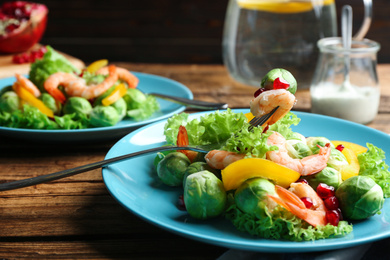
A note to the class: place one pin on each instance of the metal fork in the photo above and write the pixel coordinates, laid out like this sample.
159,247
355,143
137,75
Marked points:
92,166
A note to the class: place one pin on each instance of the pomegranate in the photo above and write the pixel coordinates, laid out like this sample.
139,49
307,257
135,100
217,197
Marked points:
22,25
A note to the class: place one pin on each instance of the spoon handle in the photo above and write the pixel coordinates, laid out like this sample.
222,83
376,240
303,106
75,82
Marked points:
88,167
192,103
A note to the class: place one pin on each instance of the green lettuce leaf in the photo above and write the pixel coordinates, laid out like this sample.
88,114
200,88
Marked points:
282,225
145,109
283,125
372,164
71,121
51,63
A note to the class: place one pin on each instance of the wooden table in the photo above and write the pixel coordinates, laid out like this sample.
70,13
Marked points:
76,218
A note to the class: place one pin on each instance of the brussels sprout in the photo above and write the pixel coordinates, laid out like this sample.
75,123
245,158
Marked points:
297,149
328,176
77,105
359,198
50,102
9,102
337,159
98,100
134,98
121,108
198,167
251,197
104,116
268,80
172,167
204,195
312,142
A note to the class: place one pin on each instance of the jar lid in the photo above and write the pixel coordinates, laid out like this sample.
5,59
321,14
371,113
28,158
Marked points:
335,45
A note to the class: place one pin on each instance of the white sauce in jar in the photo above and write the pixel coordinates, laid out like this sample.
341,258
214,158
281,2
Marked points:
358,104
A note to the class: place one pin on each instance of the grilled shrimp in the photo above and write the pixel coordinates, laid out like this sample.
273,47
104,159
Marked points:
268,100
28,85
305,166
123,74
219,159
182,140
76,87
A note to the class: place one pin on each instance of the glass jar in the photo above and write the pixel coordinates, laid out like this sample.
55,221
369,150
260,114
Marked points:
354,97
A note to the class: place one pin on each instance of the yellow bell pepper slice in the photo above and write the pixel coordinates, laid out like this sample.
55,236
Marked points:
249,116
115,95
25,95
358,149
96,65
239,171
353,167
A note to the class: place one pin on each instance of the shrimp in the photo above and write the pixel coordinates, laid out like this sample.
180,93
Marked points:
124,75
77,87
305,166
182,140
291,200
219,159
28,85
268,100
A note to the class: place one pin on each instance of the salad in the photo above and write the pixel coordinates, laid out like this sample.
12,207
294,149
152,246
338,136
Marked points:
57,95
270,181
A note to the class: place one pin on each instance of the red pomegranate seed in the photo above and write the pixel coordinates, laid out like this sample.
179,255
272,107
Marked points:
280,83
331,203
333,218
303,181
308,202
340,214
325,191
340,147
259,91
180,203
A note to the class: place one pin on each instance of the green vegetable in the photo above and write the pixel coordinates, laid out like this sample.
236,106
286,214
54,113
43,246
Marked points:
204,195
359,198
372,164
337,159
328,176
50,102
198,167
78,106
312,142
139,105
121,108
104,116
251,197
9,102
51,63
298,149
268,80
172,167
134,98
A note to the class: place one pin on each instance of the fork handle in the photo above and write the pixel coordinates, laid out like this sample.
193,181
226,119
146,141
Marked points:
192,103
88,167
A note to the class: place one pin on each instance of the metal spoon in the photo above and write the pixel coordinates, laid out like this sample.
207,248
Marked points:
191,103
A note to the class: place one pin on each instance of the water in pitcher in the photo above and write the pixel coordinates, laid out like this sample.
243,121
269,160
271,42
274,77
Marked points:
260,35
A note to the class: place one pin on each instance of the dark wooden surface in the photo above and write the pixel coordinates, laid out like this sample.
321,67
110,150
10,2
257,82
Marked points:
76,218
164,31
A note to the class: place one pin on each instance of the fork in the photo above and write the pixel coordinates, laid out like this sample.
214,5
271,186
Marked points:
100,164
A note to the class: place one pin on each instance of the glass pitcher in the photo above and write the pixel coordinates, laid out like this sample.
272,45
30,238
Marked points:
260,35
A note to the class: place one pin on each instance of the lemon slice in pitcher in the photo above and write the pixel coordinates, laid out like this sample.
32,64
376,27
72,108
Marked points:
282,6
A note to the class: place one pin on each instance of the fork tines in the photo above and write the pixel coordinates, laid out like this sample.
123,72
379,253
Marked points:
256,121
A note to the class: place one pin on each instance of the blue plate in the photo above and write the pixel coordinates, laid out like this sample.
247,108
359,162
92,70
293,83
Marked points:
135,185
147,83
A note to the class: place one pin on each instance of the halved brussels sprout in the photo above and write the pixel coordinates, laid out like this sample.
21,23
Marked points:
9,102
328,176
171,168
268,80
78,106
104,116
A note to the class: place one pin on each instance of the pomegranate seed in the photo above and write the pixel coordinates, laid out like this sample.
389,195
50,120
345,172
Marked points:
333,218
325,191
280,83
331,203
259,91
340,147
303,181
308,202
180,203
340,214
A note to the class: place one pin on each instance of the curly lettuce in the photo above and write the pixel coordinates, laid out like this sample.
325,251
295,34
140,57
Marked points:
372,164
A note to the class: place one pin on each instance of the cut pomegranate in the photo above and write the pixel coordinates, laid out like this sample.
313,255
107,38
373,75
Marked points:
340,147
280,83
22,25
308,202
325,191
27,57
333,218
331,203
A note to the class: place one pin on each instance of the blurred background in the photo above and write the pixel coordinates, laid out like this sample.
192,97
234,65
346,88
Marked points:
164,31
